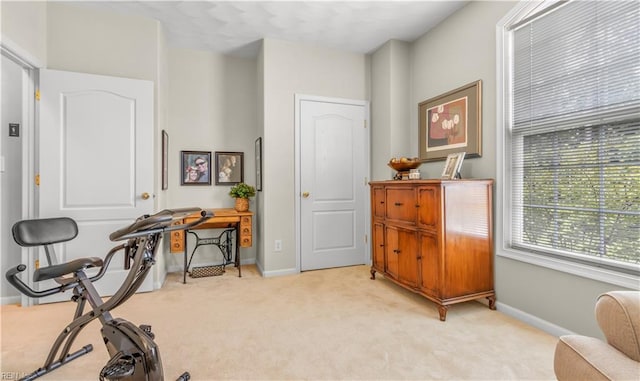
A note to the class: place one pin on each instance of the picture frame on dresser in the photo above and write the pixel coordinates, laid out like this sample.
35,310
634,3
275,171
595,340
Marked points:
451,123
452,166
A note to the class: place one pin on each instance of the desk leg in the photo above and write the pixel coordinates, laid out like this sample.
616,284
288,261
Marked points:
238,251
184,270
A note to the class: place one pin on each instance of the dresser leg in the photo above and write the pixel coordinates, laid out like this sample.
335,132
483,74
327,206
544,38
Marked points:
492,302
373,274
443,312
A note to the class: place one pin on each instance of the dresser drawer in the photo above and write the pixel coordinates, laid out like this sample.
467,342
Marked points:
400,204
177,240
245,231
377,202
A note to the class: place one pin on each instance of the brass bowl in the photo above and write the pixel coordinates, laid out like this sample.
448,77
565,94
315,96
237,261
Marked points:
404,165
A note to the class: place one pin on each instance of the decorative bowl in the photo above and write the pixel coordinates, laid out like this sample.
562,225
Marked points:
405,165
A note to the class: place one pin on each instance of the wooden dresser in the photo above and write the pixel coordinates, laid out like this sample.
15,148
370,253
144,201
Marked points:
435,238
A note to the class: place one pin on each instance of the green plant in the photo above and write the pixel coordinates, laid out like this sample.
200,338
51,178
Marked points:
242,190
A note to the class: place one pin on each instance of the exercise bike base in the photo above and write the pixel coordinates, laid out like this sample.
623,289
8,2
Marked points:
70,357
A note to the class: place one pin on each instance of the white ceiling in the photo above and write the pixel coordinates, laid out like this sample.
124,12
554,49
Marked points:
236,27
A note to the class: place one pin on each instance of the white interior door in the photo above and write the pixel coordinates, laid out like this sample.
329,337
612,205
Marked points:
333,188
95,162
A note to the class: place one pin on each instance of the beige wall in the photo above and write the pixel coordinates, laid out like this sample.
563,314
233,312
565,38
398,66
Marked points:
97,42
289,69
391,132
459,51
211,107
24,25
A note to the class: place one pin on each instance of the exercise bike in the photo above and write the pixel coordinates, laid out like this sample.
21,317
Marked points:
134,354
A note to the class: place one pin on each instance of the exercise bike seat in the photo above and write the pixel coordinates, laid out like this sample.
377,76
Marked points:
46,232
56,271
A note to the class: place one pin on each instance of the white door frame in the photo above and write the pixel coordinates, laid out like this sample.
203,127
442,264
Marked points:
29,150
298,176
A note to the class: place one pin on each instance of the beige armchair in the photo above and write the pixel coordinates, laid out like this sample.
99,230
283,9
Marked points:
587,358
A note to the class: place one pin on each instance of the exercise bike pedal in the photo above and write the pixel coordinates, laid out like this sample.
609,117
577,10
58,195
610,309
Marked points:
118,367
147,329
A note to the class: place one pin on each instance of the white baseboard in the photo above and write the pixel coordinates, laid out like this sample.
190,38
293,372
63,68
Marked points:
268,274
6,300
532,320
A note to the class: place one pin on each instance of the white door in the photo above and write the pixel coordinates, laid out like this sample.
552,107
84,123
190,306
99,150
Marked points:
333,188
95,162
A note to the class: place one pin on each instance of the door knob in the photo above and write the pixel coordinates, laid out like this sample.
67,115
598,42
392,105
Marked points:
145,196
305,194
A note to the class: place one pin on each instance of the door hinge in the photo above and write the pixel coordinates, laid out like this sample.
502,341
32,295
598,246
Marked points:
37,179
37,95
37,264
366,180
366,239
365,123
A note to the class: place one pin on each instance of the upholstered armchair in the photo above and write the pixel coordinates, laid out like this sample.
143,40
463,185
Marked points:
587,358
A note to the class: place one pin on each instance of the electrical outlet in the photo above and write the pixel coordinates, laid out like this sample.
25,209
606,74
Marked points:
278,245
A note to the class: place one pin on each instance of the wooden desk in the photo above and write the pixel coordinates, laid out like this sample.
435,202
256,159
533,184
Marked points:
222,219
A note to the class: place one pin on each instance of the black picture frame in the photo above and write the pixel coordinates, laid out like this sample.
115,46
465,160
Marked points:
229,168
165,160
195,167
258,164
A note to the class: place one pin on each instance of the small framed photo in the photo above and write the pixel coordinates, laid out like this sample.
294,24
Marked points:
453,165
229,168
195,168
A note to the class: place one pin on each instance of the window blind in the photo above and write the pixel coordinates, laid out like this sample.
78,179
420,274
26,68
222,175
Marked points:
575,132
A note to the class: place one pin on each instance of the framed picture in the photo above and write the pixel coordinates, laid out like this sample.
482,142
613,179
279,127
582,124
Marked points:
451,123
229,168
453,165
195,168
165,160
259,164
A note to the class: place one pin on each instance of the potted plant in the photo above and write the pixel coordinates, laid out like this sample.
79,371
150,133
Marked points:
241,192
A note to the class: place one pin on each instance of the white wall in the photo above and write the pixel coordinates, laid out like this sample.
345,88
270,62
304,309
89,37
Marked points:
291,68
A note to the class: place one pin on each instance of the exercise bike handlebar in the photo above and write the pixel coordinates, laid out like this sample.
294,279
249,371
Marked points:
160,222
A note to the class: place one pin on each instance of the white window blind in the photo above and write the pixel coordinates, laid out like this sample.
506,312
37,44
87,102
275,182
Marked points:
575,133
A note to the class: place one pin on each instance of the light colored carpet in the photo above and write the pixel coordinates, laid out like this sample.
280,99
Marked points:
334,324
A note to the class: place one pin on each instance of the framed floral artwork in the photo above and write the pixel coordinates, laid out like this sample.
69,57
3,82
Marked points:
451,123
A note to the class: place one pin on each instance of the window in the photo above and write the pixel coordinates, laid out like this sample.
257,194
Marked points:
571,145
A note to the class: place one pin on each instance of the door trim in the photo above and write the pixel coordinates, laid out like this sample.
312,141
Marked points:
299,98
30,66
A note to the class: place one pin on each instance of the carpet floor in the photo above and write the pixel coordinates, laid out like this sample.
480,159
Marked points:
333,324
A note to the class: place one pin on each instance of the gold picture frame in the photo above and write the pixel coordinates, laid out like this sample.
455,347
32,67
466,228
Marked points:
451,123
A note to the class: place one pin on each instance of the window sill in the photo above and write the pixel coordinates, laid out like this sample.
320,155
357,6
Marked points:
590,272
